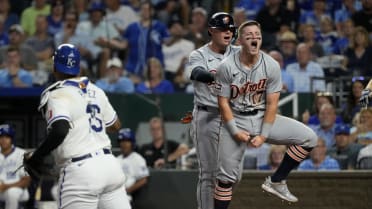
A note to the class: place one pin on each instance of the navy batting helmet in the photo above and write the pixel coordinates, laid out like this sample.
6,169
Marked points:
222,20
67,59
126,134
6,129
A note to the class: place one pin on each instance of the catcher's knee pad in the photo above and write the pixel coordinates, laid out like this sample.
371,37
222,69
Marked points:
223,191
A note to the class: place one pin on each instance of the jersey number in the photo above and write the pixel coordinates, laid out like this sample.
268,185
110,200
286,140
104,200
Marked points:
95,122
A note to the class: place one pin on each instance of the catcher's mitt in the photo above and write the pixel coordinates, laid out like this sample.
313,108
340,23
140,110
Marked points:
187,118
38,168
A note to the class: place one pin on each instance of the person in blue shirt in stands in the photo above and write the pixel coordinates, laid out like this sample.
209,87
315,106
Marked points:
13,75
319,160
154,79
114,81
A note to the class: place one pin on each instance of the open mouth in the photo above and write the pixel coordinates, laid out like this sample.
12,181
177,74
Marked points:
254,44
227,38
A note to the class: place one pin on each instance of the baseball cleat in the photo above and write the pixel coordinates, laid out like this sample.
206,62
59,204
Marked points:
279,189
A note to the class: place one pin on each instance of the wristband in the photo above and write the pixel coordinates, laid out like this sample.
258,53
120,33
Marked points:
266,127
231,127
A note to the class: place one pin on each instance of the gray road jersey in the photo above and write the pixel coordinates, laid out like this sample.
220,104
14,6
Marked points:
204,93
245,87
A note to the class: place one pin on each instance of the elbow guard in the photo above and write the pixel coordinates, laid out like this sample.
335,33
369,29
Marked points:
202,75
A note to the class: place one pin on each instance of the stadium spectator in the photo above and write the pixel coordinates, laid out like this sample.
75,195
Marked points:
319,160
275,19
120,16
115,80
144,40
13,75
81,7
103,34
4,37
174,10
348,8
154,152
303,71
309,37
154,82
363,133
28,17
320,98
16,40
287,79
239,15
327,125
364,16
327,36
345,37
359,53
8,17
196,29
351,107
251,8
55,19
345,151
314,15
276,156
43,46
175,50
287,46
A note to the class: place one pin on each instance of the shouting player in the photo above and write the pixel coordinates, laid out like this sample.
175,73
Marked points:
77,115
248,85
201,69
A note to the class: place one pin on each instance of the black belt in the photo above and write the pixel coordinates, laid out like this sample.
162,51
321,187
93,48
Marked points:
89,155
248,113
208,108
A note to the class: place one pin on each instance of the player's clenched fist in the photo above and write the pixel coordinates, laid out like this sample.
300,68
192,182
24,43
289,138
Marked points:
257,141
242,136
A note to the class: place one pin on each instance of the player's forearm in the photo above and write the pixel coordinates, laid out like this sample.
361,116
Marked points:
140,183
225,109
23,183
114,127
58,132
271,107
201,75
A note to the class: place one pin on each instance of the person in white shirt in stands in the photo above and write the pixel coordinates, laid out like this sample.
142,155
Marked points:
304,69
133,164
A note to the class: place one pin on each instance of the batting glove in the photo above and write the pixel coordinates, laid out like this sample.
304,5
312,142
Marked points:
364,99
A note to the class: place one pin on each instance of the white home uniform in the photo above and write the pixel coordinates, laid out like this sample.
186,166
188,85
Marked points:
135,168
206,122
9,164
90,176
246,90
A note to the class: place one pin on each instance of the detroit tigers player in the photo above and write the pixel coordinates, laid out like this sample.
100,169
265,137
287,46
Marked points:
77,115
133,164
248,85
201,68
13,186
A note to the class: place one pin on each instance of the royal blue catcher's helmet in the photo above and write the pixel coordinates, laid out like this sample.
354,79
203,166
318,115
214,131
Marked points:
67,59
6,129
126,134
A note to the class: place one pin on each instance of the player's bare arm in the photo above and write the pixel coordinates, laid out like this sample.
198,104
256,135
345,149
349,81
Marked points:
115,127
139,184
269,118
24,182
229,120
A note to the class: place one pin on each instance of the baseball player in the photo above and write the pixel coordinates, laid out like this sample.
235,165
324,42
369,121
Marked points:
14,182
248,84
77,115
133,164
365,99
201,69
